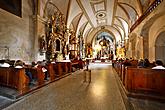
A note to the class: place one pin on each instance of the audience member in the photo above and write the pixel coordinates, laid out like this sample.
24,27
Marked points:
4,63
159,65
146,63
20,64
44,70
141,63
126,62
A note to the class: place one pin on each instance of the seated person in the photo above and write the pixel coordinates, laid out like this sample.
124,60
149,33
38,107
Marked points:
141,63
44,70
33,64
53,61
20,64
146,63
159,65
4,63
127,62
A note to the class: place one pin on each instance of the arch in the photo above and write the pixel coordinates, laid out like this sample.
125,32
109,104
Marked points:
124,25
76,20
103,30
47,7
122,31
150,30
160,47
113,31
129,6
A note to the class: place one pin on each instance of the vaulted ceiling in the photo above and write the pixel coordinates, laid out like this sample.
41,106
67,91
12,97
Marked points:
87,16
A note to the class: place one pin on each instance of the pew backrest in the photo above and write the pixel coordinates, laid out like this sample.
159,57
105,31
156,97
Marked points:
145,80
14,78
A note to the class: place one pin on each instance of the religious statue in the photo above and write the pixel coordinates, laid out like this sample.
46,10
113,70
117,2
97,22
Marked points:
50,41
42,42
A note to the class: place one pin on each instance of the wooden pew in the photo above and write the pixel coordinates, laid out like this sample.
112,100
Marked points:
78,64
58,69
51,71
75,64
69,65
37,74
81,64
14,78
145,81
64,67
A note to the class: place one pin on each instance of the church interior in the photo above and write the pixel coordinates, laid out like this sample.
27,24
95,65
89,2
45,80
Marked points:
82,54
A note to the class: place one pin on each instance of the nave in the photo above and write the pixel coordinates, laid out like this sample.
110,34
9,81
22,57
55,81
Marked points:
71,93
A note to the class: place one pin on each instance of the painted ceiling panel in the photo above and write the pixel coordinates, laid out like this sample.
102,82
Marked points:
133,3
99,6
121,13
81,22
73,12
125,25
131,12
89,11
110,11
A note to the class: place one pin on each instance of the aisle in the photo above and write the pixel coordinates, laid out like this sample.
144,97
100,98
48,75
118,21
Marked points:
71,93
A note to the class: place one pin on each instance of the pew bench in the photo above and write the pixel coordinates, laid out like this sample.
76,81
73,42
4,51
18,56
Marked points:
14,78
145,81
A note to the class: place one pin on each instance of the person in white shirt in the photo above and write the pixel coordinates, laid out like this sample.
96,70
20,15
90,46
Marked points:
159,65
3,63
44,69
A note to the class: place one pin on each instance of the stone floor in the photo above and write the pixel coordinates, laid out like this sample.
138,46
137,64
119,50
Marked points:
72,93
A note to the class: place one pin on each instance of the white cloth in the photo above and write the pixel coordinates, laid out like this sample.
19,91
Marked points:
158,67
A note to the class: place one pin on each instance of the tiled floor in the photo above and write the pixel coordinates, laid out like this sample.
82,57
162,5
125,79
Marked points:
72,93
4,102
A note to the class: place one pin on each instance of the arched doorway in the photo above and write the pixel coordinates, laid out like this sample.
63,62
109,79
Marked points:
160,47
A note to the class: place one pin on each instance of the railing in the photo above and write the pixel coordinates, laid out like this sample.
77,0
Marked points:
145,14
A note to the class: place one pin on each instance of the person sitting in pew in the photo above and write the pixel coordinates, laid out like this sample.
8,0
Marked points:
141,63
44,70
20,64
159,65
144,63
127,62
3,63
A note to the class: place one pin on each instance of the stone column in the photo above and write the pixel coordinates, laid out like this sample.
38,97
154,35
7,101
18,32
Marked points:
39,30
